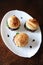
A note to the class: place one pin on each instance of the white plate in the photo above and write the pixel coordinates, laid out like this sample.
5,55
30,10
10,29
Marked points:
25,51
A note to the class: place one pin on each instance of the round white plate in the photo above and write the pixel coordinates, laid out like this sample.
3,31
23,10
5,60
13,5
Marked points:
21,51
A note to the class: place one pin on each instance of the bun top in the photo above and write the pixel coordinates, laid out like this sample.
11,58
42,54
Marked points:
21,39
32,24
13,22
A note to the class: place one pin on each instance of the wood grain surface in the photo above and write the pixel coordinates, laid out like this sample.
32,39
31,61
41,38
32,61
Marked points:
35,9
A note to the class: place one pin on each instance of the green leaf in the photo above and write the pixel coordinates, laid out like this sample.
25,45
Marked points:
17,33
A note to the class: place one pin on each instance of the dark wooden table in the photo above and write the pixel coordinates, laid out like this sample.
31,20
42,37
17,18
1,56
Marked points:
35,9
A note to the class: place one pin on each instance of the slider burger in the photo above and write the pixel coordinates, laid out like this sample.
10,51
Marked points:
21,39
32,24
13,22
